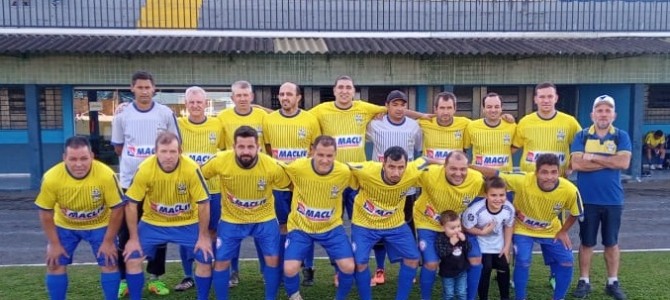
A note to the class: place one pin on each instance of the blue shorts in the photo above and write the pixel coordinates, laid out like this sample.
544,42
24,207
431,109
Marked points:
609,216
214,211
70,238
230,236
399,243
282,205
348,197
152,236
335,242
553,252
427,245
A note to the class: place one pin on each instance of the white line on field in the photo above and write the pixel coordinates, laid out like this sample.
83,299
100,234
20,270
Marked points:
326,258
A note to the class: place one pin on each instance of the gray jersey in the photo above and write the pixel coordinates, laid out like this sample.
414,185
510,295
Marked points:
137,131
383,134
478,215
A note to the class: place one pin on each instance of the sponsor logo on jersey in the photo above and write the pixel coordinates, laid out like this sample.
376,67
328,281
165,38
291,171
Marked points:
288,155
431,213
139,151
530,222
349,141
96,195
437,153
315,214
491,160
246,204
200,158
374,210
532,156
83,215
171,210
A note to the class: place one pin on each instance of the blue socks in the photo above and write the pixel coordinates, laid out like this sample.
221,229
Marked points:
426,280
474,273
363,284
405,281
346,282
57,286
203,285
563,279
292,284
259,252
220,280
186,261
308,262
110,284
380,256
135,285
521,273
272,277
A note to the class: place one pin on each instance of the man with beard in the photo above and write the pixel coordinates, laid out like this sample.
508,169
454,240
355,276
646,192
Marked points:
379,216
247,180
540,197
174,194
451,186
599,153
289,133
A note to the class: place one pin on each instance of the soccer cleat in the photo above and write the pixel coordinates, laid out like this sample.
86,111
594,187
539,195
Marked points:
615,291
234,279
582,290
185,284
552,282
295,296
158,287
123,289
379,277
308,276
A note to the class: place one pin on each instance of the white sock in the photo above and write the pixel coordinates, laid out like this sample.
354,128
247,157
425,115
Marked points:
611,280
586,279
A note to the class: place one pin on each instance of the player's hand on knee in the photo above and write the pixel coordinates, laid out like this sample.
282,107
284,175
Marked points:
204,244
564,238
54,253
108,251
132,246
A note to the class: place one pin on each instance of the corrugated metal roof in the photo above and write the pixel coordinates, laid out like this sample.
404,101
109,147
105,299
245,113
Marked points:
300,45
20,44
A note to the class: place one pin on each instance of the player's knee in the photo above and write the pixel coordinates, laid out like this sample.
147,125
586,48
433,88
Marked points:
203,269
523,263
361,267
134,265
272,261
109,269
346,266
221,265
432,266
412,263
56,270
291,270
566,264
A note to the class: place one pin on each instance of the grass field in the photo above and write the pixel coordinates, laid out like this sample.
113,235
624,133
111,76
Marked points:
643,276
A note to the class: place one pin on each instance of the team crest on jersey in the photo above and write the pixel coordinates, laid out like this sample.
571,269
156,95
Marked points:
611,147
466,200
259,129
458,134
212,138
359,119
334,191
302,133
181,188
507,139
96,195
557,208
560,135
261,184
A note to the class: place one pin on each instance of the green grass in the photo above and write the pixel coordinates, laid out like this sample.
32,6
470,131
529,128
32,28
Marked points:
643,276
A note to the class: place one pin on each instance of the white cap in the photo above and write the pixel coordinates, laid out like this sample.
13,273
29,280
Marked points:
604,99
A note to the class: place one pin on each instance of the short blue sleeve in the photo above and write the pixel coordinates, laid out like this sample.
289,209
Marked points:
578,142
624,142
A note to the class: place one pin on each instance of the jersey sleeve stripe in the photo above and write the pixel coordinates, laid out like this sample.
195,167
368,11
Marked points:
202,180
118,187
120,205
43,208
133,200
176,127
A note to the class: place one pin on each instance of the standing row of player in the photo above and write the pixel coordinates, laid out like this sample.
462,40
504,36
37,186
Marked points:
289,132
